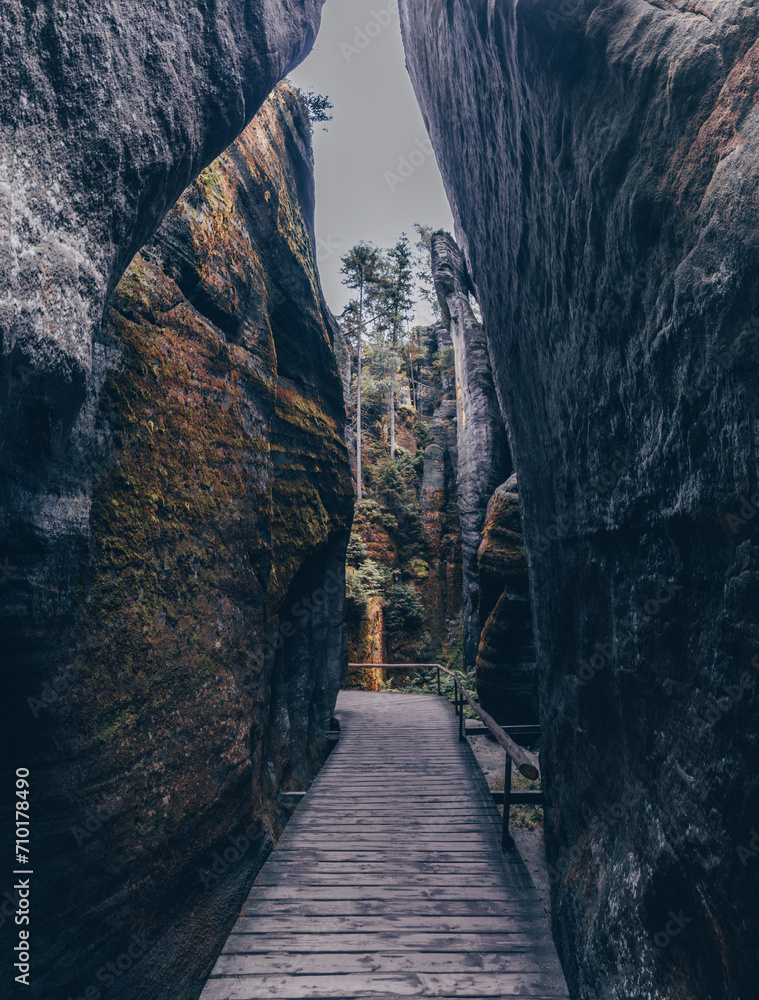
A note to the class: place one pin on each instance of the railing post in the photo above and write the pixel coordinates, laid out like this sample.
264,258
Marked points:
507,841
438,680
461,719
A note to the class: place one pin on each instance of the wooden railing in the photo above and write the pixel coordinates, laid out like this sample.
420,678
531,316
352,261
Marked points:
503,735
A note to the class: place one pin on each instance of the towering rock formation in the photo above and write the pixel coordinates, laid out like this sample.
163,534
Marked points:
173,601
483,455
602,162
107,112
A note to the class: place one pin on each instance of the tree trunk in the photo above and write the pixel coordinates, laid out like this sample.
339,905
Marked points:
392,415
359,492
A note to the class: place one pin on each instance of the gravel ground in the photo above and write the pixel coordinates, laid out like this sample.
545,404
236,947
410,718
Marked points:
492,760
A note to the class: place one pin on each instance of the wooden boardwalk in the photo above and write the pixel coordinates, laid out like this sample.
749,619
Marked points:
389,880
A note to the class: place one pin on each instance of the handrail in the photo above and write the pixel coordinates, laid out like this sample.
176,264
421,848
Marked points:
515,752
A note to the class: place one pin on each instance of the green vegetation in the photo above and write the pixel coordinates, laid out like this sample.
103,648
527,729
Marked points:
398,603
318,107
525,817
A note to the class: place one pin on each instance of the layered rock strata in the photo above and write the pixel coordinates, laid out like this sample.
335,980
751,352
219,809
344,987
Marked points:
107,113
602,163
173,613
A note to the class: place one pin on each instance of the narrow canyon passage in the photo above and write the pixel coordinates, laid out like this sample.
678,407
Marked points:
444,349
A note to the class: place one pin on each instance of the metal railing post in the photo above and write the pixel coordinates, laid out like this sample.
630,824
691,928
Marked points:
507,841
461,719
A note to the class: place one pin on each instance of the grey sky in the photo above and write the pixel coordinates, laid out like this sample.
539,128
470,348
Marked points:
358,62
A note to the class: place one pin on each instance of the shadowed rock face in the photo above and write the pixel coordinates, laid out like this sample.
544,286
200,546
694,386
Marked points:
602,162
173,615
107,112
483,454
506,670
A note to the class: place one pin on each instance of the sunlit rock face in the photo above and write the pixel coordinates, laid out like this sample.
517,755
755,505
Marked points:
602,162
483,454
174,612
507,681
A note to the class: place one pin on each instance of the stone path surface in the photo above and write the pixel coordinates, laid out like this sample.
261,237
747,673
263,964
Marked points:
389,880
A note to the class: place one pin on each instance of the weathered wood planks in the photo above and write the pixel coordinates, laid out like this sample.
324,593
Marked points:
389,880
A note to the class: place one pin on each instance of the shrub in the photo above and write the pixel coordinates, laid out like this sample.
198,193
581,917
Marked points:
356,550
403,609
372,577
356,597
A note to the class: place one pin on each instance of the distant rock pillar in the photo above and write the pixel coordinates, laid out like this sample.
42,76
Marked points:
484,460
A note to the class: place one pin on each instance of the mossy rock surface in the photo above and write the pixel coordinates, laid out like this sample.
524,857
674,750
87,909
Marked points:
206,642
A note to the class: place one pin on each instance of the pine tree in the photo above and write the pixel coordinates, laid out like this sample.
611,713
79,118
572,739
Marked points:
362,266
423,263
396,296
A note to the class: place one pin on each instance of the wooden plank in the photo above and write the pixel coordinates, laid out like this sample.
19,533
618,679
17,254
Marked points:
379,844
251,944
391,907
356,836
477,820
356,985
411,816
416,778
438,893
375,924
383,856
383,825
384,962
392,867
462,881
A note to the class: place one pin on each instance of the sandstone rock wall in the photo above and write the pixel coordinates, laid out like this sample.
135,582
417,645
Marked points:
602,163
173,618
507,681
107,112
483,454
